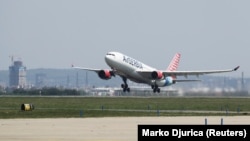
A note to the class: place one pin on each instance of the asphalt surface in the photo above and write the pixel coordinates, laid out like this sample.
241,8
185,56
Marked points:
97,129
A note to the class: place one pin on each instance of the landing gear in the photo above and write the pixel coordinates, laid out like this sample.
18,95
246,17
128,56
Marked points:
156,88
125,85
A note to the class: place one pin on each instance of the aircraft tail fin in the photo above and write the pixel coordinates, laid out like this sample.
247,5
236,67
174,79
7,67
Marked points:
174,63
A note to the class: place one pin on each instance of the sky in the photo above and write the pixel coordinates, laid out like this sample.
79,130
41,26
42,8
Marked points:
209,34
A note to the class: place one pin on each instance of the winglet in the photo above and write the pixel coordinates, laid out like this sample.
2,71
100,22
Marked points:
235,69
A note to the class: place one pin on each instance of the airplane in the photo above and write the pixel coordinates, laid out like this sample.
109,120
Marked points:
129,68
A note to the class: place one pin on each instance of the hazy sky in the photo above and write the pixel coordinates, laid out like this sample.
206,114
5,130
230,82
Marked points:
210,34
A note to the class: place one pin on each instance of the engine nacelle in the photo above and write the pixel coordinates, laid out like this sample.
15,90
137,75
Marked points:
164,82
157,75
105,74
169,81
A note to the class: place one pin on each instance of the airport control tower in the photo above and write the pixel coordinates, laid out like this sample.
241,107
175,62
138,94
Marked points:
17,75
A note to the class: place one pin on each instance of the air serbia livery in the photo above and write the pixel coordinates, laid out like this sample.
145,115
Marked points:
129,68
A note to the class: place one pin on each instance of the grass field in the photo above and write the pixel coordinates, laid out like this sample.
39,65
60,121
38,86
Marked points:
58,107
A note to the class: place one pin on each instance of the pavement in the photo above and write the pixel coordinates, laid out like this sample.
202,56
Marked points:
97,129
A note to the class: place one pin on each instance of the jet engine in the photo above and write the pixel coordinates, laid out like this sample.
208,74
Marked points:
157,75
169,81
105,74
165,82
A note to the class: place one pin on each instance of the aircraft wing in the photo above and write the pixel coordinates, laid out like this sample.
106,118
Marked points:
102,73
89,69
197,73
186,80
186,73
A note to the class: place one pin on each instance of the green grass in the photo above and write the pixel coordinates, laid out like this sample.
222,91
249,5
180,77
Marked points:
58,107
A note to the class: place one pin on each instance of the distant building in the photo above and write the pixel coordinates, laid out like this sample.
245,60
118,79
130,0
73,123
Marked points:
17,75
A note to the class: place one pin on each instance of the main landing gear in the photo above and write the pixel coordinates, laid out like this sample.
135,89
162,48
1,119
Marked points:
156,88
125,85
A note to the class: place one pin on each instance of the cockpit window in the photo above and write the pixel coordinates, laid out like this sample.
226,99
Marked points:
111,54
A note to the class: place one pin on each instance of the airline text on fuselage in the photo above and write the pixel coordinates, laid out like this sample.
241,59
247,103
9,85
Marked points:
132,62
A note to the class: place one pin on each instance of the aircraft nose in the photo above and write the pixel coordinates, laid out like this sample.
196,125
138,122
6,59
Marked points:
109,57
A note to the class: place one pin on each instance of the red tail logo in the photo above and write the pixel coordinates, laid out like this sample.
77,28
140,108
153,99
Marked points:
174,63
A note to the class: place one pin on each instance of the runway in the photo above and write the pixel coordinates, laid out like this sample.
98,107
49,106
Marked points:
96,129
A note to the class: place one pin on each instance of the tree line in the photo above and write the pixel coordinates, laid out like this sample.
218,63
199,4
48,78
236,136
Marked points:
47,91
